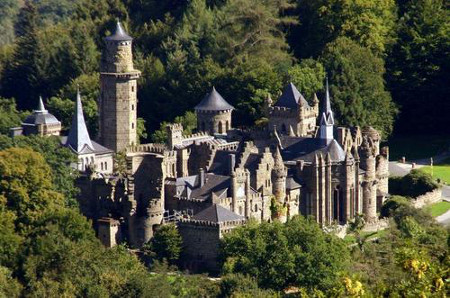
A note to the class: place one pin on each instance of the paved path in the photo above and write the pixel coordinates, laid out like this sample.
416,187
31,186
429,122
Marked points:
401,169
444,219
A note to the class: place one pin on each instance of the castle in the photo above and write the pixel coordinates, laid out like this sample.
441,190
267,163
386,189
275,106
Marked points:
219,177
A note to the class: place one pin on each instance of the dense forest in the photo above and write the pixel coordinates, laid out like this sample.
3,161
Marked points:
388,64
388,61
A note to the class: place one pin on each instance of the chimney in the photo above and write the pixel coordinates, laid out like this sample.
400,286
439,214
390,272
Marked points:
231,163
202,177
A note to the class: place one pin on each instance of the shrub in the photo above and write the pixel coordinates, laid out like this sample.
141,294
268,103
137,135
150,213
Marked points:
414,184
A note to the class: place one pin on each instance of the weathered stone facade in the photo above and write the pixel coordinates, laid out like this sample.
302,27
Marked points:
118,93
299,164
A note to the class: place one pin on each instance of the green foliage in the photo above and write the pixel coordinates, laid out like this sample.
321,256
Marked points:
370,23
188,120
394,202
165,244
297,253
410,259
308,76
9,115
8,14
414,184
57,157
418,66
359,96
238,285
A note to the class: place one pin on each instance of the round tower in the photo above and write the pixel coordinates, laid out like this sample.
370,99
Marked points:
118,92
279,174
368,164
214,114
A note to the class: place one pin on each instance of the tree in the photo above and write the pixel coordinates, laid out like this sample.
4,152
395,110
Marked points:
359,95
297,253
165,244
22,78
419,66
308,76
188,120
9,115
57,157
370,23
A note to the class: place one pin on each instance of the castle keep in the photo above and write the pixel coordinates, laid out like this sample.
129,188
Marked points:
219,177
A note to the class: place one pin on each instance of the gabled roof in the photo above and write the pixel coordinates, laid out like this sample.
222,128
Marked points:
119,34
213,101
291,98
78,139
218,214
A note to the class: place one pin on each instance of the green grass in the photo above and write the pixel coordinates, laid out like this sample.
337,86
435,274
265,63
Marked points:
439,171
417,147
351,238
438,208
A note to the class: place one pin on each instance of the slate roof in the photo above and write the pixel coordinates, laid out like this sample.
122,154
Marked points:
218,214
220,164
41,116
78,139
291,183
119,34
291,98
98,149
213,101
296,148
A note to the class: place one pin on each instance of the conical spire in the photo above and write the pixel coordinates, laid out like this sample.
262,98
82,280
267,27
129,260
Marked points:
213,102
41,107
278,165
78,138
119,34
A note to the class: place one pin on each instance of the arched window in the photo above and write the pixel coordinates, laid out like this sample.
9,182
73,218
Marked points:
220,127
101,166
82,163
240,210
106,165
228,125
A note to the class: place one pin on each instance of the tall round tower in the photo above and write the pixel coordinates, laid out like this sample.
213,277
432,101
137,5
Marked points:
368,164
279,174
214,114
118,92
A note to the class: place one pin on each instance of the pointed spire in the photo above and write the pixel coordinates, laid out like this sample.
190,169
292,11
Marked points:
119,34
315,99
78,138
41,107
327,113
327,118
278,165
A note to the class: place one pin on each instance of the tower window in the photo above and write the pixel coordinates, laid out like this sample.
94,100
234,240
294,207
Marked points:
132,88
132,125
132,107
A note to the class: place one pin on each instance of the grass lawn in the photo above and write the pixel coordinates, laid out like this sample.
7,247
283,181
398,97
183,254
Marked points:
351,238
438,208
439,171
417,147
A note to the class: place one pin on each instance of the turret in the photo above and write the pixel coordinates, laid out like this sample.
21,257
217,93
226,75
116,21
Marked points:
118,93
279,174
368,164
41,122
214,114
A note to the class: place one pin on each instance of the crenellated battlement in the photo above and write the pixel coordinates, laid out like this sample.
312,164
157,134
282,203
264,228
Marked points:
151,148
